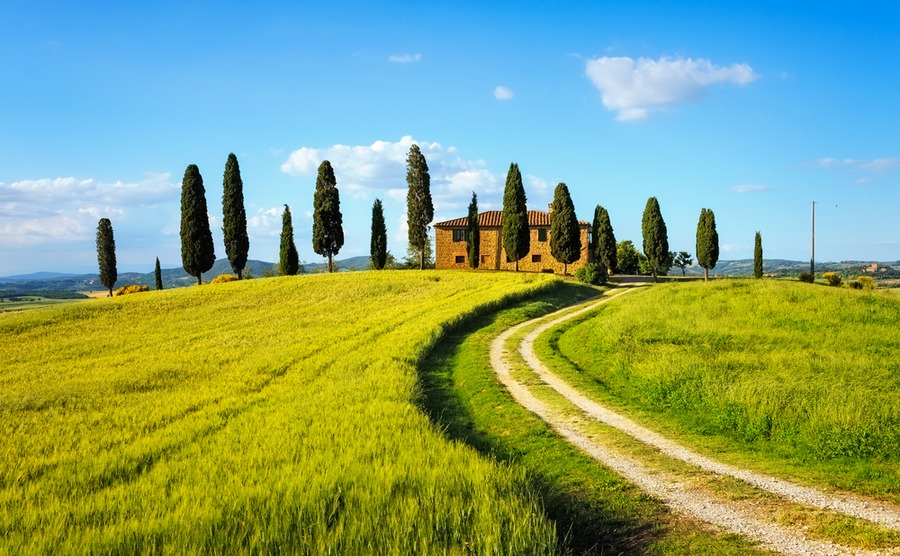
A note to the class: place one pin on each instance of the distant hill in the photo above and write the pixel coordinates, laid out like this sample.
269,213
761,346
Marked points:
171,277
783,268
35,276
177,277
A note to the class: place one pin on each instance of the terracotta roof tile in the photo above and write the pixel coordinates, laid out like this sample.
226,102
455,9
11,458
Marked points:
494,219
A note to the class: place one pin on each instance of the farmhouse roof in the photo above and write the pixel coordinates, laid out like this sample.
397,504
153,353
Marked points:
494,219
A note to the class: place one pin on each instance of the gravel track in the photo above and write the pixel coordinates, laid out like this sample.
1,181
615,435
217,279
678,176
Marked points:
668,487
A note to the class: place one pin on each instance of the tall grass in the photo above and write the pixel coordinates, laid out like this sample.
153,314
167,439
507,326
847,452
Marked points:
263,416
808,370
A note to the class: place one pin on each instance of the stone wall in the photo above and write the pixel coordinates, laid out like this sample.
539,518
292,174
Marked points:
452,254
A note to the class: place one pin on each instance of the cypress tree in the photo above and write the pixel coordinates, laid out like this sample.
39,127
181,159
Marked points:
419,208
516,236
197,252
757,256
328,231
473,234
707,242
288,260
106,254
157,274
378,248
603,240
656,241
565,237
234,217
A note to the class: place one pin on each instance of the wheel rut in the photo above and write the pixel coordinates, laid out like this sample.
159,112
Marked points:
668,487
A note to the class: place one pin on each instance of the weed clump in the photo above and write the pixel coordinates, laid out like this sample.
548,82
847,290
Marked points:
592,273
832,279
133,288
866,283
222,278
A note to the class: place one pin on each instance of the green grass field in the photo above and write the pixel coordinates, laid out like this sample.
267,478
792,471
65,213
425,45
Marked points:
596,511
264,416
806,376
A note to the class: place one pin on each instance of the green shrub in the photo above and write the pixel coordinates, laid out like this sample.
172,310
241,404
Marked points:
591,273
134,288
854,285
867,282
807,277
224,278
833,278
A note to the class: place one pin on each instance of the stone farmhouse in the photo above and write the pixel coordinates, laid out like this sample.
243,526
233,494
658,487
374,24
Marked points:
450,244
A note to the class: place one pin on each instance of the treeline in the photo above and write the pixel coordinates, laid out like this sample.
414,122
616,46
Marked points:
198,252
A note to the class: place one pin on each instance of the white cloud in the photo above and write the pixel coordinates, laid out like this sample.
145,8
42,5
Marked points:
635,88
877,165
503,93
750,188
379,170
404,58
50,210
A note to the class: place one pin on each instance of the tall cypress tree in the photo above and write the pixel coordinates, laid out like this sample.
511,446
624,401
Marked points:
707,242
419,208
565,237
106,254
288,259
603,240
234,216
197,252
473,234
656,240
757,256
328,230
157,275
516,236
378,249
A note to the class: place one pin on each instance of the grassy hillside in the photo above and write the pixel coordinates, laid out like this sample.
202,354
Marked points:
805,372
273,416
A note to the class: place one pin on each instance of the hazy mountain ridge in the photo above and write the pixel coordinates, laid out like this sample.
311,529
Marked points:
171,277
177,277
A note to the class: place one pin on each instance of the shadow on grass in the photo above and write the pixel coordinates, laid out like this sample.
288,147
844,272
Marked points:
595,511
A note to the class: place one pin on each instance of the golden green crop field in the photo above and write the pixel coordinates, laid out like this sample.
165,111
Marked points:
262,416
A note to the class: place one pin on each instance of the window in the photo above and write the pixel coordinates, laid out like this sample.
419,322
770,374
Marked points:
535,258
459,234
542,234
460,259
484,259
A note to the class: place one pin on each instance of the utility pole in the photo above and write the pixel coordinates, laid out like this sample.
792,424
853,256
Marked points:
812,251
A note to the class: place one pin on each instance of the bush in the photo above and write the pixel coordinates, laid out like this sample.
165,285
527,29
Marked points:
833,278
807,277
867,282
224,278
854,285
134,288
591,273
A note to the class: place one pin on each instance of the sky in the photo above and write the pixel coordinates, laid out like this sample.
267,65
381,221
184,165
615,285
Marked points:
754,110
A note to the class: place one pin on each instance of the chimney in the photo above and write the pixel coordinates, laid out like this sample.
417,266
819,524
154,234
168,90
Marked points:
549,207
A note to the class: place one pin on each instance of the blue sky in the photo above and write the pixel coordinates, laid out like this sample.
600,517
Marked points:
751,109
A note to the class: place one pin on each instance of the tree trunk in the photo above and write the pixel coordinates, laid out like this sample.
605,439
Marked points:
422,258
517,265
110,293
706,274
655,279
330,266
200,279
239,275
565,269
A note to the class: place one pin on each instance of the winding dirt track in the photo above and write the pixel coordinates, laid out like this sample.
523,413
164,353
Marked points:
665,486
